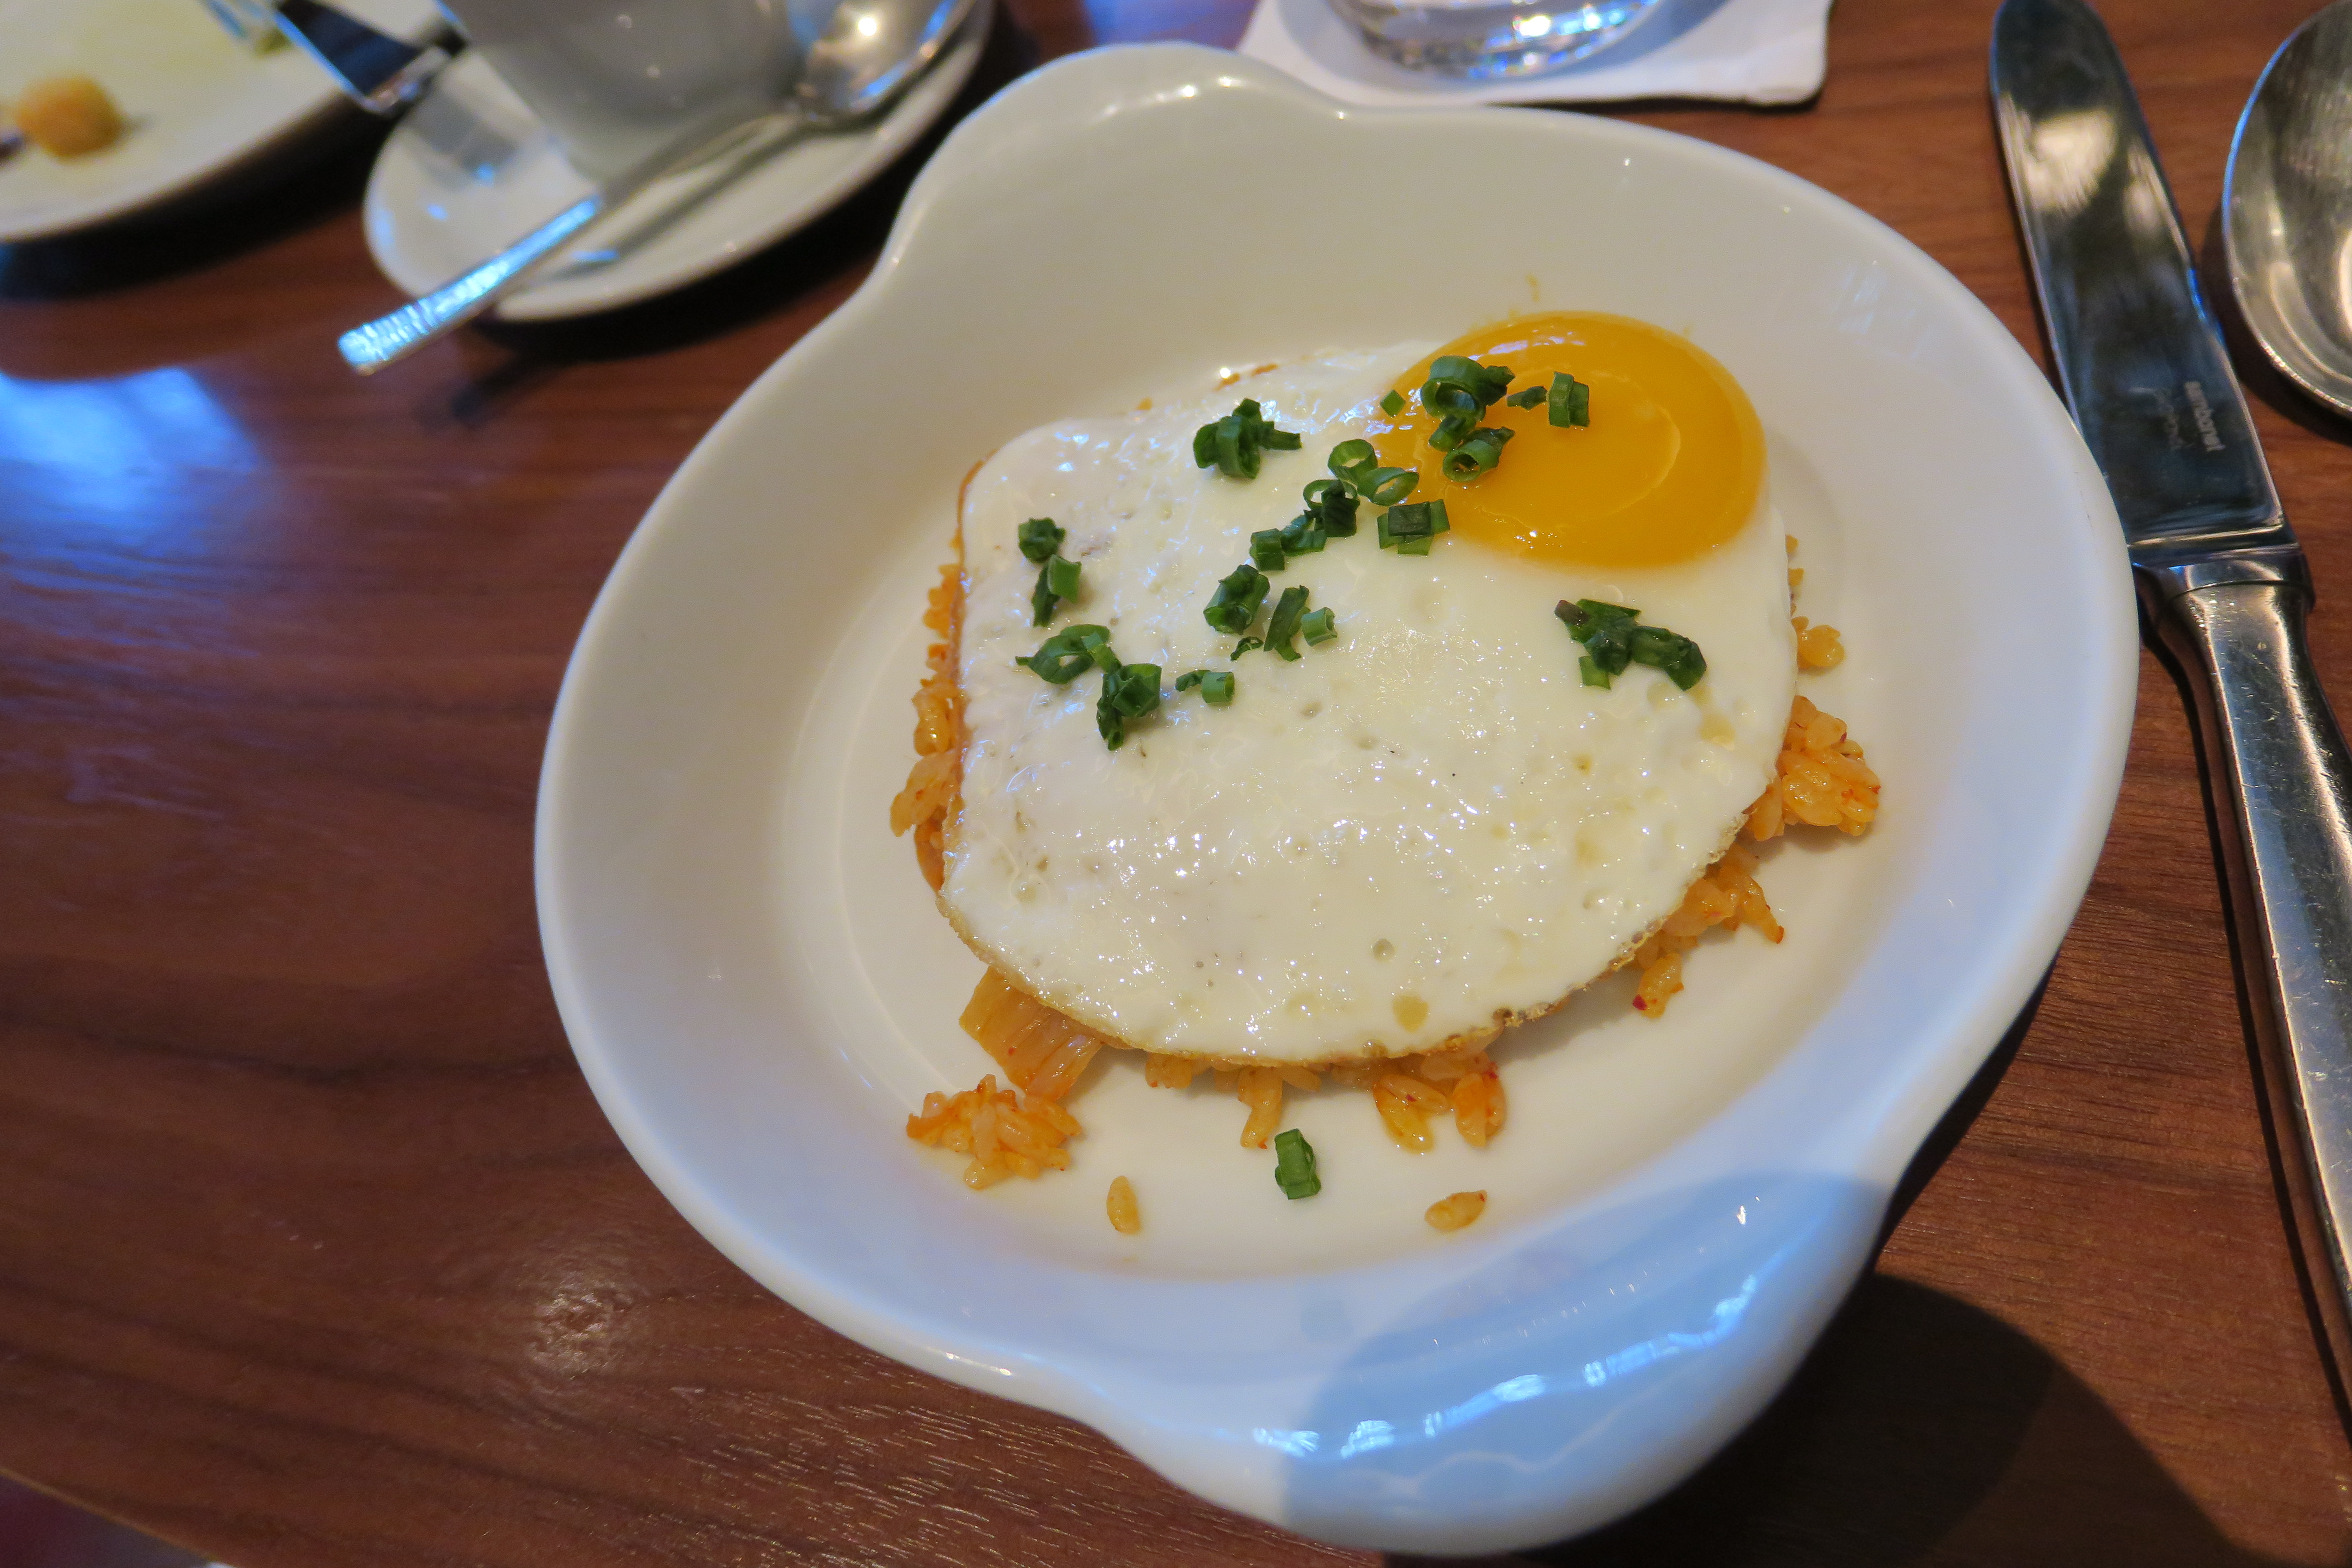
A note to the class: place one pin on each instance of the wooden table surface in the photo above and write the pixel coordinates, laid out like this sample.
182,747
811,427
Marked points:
315,1251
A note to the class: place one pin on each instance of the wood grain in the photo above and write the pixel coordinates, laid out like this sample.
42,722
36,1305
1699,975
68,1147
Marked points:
315,1250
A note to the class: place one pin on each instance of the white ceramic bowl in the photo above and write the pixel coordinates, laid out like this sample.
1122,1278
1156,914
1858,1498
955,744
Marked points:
759,990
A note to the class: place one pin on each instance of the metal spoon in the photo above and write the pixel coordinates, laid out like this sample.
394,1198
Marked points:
2287,208
871,52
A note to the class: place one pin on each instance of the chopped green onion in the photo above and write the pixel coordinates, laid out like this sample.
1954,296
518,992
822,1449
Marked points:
1611,641
1129,691
1486,383
1457,411
1317,627
1067,654
1571,400
1394,403
1301,536
1056,579
1332,505
1526,398
1353,462
1216,685
1234,445
1671,653
1237,455
1132,688
1282,626
1411,528
1235,604
1481,452
1040,537
1266,550
1247,645
1294,1166
1460,389
1578,617
1606,631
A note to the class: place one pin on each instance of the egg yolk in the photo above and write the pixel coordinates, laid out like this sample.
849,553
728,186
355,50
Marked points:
1668,468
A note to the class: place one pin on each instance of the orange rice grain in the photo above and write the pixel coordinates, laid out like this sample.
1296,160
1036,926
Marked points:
1405,1105
1453,1213
1125,1217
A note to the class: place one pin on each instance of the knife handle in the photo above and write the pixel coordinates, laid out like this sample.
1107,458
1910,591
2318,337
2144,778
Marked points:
2271,746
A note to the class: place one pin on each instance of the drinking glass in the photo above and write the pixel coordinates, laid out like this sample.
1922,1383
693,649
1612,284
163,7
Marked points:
1484,39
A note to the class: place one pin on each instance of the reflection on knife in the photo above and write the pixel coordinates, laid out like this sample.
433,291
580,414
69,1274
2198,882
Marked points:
2220,575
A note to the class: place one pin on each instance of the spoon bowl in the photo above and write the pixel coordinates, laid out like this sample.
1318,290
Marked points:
2287,208
872,51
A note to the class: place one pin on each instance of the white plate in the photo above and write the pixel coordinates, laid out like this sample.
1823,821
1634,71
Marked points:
759,988
472,169
199,104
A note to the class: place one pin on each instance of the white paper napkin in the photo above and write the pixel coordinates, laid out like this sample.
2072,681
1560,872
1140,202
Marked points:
1745,51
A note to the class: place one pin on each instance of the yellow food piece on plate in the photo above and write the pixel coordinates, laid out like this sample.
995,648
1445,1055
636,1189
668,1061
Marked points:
1125,1217
1453,1213
1818,648
1005,1131
1043,1052
68,116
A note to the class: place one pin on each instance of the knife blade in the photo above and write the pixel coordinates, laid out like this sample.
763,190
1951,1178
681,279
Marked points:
381,74
2147,378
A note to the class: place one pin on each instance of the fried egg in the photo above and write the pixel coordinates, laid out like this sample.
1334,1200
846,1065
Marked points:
1428,826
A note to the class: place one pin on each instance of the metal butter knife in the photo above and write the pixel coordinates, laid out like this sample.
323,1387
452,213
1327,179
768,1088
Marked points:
2219,573
381,74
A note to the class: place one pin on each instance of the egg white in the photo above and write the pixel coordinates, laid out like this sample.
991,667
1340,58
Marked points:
1416,831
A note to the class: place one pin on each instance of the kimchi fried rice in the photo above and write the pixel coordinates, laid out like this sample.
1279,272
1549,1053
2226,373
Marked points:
1021,1127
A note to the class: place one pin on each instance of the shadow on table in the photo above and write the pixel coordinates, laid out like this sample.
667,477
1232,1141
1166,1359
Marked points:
36,1530
319,177
1919,1429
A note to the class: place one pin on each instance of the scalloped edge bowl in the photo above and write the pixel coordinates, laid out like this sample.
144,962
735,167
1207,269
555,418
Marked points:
728,934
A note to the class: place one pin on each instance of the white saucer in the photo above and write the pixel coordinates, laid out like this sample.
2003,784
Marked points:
471,170
199,104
